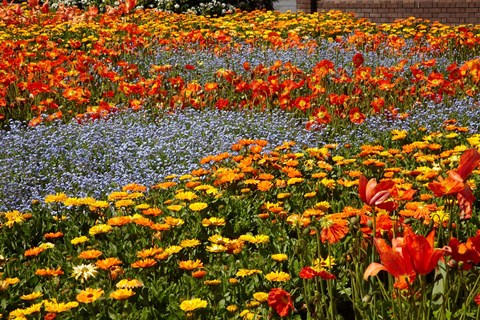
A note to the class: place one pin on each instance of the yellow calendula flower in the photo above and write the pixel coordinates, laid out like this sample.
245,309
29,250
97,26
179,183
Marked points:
260,296
213,222
175,207
173,249
278,276
79,240
197,206
99,205
279,257
13,217
284,195
322,205
54,306
122,294
23,313
188,243
293,181
32,296
129,283
124,203
216,248
186,196
329,183
118,195
247,272
213,282
232,308
58,197
399,134
142,206
99,229
193,304
260,238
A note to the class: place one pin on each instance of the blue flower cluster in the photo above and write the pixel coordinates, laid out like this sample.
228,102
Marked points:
99,157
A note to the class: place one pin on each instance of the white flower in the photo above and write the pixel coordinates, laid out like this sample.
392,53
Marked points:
84,272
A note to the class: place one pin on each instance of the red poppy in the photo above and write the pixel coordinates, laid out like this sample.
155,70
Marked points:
280,301
357,60
321,116
356,116
309,273
375,194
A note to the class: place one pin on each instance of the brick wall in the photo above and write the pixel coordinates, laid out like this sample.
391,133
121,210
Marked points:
385,11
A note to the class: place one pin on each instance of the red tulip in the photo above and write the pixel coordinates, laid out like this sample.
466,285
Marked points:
454,184
393,262
375,194
421,252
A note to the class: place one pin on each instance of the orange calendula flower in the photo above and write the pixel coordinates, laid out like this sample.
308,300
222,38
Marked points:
53,235
89,295
333,230
145,263
33,251
119,221
49,272
107,263
190,265
90,254
264,185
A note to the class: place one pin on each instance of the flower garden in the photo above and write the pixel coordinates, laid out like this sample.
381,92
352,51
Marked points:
255,165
